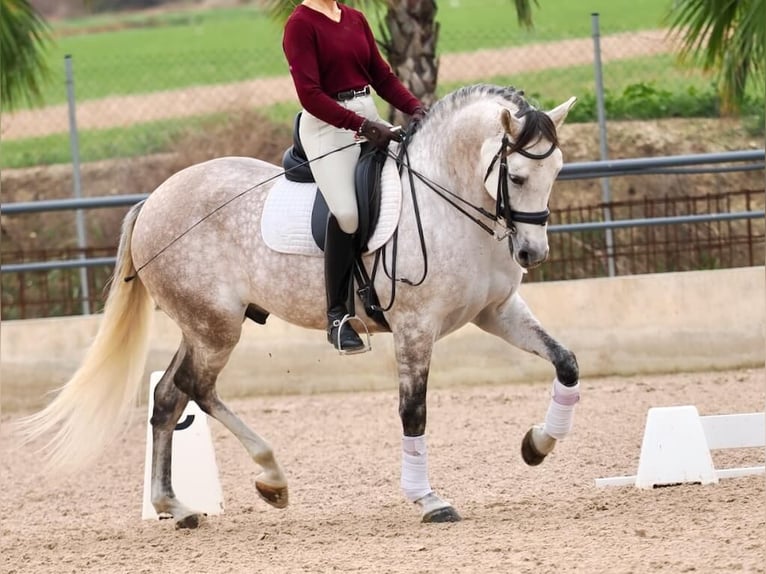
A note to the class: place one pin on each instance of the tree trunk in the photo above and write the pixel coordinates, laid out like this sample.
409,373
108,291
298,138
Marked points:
409,42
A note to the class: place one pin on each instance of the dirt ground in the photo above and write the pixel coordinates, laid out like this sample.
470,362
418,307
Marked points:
341,454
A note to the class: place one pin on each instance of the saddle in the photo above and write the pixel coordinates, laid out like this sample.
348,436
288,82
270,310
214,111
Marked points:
366,180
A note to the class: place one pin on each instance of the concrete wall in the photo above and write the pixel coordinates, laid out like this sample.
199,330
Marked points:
672,322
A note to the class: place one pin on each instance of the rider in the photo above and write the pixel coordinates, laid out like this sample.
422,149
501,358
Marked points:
334,61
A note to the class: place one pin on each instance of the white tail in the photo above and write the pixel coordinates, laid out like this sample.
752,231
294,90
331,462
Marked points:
92,408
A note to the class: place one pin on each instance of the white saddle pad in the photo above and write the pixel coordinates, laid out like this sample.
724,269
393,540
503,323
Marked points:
286,219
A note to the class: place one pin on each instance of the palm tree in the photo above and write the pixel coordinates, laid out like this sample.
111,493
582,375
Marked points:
24,38
726,37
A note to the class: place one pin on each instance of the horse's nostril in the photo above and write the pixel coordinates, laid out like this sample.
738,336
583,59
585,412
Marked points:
524,257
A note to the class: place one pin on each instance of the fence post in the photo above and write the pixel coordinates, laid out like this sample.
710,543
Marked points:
82,240
606,194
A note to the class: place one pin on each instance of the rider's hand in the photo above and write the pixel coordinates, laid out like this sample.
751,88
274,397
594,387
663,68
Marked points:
378,134
417,116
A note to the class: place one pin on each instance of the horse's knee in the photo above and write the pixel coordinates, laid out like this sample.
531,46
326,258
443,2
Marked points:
567,370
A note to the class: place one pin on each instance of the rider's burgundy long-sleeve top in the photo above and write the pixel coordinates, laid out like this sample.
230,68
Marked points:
327,57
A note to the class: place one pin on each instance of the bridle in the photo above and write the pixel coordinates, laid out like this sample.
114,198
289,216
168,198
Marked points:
504,212
503,209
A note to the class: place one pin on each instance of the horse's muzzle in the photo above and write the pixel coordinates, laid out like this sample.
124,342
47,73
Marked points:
530,258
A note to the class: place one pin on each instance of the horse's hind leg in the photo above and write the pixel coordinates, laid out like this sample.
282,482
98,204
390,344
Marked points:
271,483
169,403
196,376
514,322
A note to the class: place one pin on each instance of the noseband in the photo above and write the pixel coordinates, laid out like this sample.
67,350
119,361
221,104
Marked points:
503,209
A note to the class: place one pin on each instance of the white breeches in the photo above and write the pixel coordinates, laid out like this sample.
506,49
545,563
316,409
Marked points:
334,173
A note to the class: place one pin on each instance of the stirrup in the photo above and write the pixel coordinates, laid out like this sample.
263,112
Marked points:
339,324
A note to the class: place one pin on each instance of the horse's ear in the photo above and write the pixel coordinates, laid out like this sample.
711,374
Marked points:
559,113
511,124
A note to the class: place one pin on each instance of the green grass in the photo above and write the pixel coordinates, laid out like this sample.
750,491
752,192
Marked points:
133,141
473,24
181,49
561,83
637,88
148,53
217,47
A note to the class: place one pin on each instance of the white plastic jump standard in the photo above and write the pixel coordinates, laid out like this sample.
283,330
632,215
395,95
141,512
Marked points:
195,472
677,444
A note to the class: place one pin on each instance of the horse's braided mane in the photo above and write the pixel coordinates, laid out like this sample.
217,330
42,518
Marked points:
537,125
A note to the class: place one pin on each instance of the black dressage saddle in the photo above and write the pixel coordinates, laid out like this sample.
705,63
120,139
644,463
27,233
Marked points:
368,189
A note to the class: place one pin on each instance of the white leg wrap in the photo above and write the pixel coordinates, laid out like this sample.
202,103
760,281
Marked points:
558,419
414,480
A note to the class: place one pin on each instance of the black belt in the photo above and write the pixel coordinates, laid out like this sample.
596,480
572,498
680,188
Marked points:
351,94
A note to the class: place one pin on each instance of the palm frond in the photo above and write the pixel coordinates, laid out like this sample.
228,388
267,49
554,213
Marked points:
724,36
524,12
24,38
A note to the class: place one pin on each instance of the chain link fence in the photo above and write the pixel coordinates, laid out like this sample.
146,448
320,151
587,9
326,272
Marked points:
136,104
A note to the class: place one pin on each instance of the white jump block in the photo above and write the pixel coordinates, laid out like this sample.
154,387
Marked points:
194,469
677,444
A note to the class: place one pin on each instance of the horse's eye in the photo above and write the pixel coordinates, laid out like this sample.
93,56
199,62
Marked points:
517,180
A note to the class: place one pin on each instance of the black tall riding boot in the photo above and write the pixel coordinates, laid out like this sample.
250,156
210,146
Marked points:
338,263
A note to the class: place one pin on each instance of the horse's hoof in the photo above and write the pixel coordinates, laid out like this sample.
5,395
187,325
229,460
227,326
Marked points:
529,453
191,522
446,514
275,496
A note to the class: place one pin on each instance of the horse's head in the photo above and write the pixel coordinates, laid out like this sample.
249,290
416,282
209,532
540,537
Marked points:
520,164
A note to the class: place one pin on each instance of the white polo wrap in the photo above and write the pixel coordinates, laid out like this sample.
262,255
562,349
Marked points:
560,415
414,480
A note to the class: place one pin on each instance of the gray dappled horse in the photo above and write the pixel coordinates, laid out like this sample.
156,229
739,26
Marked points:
484,162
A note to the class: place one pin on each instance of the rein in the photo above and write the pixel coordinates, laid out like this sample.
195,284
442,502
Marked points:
503,210
130,278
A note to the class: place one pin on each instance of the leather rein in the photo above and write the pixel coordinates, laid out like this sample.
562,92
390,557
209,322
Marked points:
503,210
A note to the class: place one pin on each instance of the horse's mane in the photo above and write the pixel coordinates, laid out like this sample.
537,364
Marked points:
537,125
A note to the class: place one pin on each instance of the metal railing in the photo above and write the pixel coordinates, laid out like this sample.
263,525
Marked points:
745,160
648,236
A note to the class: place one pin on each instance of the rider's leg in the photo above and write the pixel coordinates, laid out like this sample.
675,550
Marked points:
333,161
338,262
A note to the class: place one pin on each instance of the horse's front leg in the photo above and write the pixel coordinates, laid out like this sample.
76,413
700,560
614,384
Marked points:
413,355
514,322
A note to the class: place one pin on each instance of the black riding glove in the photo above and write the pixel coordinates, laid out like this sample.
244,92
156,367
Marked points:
378,134
417,116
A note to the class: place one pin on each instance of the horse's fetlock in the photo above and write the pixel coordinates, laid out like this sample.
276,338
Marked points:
265,458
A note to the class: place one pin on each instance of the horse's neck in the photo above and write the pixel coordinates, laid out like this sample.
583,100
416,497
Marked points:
451,153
